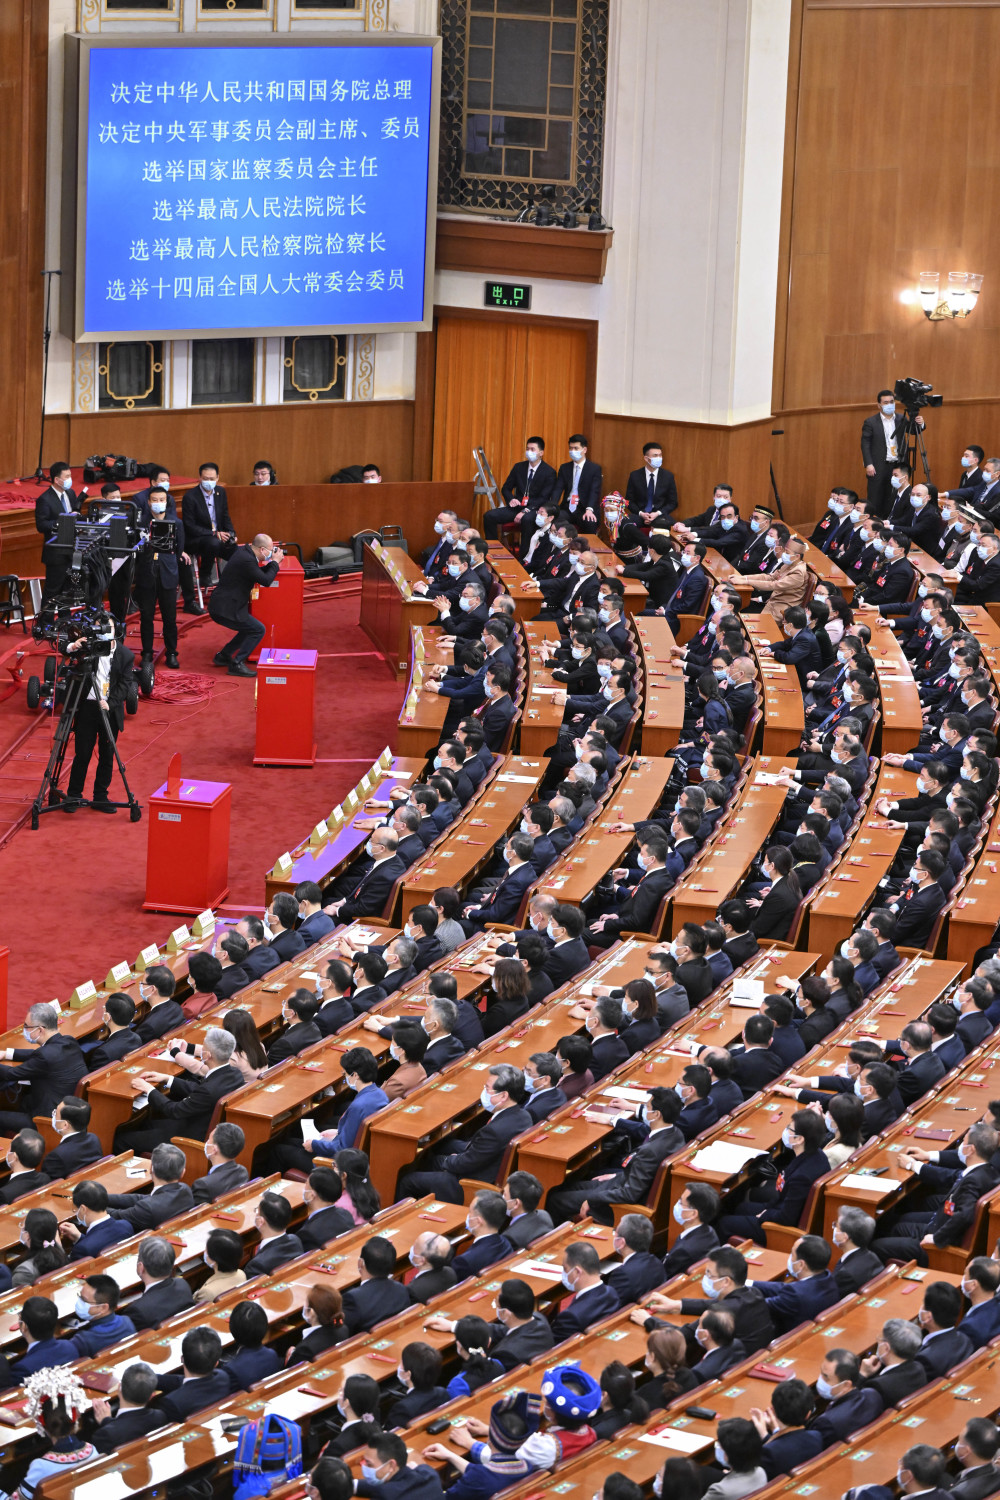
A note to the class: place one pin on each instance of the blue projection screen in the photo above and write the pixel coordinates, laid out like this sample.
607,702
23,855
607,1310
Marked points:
253,189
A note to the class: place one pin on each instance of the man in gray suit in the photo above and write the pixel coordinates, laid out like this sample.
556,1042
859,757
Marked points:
522,1194
225,1173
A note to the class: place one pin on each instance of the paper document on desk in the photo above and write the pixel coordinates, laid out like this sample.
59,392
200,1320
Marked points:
525,780
725,1156
550,1270
633,1096
768,778
747,992
677,1439
873,1184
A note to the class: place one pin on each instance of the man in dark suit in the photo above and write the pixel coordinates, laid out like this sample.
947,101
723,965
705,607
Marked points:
651,492
758,1064
156,574
982,1321
157,987
882,443
502,902
985,495
906,1235
690,591
324,1220
811,1289
542,1073
251,1359
636,898
696,1211
656,1137
37,1323
169,1197
944,1345
984,586
254,565
715,1336
164,1294
802,1162
282,915
849,1406
298,1012
47,1069
529,483
568,955
639,1271
104,704
799,649
365,889
277,1245
972,472
94,1230
894,1370
891,585
485,1219
580,589
592,1299
77,1146
740,944
976,1448
444,1047
58,500
788,1441
858,1264
578,486
482,1155
201,1382
188,1108
522,1194
725,1279
518,1334
135,1418
498,708
224,1144
209,532
23,1158
430,1256
923,1067
377,1296
119,1013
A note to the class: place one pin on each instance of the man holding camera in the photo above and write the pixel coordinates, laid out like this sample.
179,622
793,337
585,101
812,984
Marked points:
883,442
253,565
156,572
113,672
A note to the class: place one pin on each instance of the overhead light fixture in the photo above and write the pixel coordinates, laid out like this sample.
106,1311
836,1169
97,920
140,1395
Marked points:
960,295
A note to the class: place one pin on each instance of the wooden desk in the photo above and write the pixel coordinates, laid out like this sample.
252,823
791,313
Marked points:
663,717
542,718
422,716
973,919
853,887
468,844
144,1466
825,568
597,851
721,865
388,610
58,1198
515,580
784,715
325,862
902,715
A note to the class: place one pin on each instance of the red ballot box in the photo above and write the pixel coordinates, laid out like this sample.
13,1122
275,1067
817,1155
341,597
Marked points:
187,853
279,608
286,695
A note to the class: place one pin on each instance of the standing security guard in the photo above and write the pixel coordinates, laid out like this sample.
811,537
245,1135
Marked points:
156,575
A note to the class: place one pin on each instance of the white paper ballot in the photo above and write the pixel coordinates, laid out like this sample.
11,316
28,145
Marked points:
677,1439
633,1096
873,1184
725,1156
747,993
309,1131
550,1270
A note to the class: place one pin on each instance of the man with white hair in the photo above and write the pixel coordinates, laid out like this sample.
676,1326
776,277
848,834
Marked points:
47,1068
187,1105
253,565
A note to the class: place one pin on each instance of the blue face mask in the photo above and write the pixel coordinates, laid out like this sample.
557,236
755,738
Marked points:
466,605
454,571
728,523
437,762
755,526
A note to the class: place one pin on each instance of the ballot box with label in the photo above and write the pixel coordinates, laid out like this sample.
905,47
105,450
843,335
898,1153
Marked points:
279,606
286,693
187,852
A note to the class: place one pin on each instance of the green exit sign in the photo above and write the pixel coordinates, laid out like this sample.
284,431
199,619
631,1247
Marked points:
507,294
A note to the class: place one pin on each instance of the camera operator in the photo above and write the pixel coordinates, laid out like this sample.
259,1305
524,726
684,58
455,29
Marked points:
112,675
882,443
253,565
58,500
209,531
156,574
118,588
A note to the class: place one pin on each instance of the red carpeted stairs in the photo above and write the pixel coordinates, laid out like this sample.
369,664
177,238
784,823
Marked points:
73,889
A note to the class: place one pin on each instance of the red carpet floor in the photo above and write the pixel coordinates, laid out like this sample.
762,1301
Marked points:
73,889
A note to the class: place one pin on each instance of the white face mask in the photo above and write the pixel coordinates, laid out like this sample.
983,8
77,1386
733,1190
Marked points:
158,507
576,454
531,454
888,408
208,485
654,462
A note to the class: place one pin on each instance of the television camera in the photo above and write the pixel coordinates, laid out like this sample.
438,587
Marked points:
913,395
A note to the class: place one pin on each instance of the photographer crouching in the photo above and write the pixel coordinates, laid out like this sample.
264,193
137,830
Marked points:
253,565
112,677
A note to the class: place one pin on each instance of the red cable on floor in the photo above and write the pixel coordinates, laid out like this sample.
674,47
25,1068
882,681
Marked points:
183,688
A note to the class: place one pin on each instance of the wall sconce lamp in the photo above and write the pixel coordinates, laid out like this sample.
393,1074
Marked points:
960,296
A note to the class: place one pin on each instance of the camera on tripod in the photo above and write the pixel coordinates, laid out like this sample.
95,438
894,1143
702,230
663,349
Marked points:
102,467
913,395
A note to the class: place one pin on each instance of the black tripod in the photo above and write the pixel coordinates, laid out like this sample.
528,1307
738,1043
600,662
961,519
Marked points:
913,437
79,682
